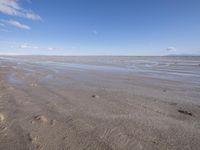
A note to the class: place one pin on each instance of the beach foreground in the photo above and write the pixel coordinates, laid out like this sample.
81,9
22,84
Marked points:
99,103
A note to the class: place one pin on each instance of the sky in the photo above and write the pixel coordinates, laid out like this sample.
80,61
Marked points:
100,27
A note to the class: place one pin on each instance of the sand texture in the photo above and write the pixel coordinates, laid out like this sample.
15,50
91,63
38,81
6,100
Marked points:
99,103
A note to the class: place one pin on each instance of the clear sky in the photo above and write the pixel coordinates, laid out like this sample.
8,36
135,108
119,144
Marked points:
100,27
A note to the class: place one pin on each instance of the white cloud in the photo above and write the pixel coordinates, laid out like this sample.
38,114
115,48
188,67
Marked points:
17,24
13,8
170,49
28,46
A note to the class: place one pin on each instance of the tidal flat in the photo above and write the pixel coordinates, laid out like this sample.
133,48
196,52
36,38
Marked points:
99,103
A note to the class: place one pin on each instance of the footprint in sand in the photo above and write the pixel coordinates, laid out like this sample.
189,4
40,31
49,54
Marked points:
53,122
33,85
40,119
34,140
39,146
2,117
95,96
164,90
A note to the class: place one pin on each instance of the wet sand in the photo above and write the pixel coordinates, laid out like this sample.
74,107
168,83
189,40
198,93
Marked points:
99,103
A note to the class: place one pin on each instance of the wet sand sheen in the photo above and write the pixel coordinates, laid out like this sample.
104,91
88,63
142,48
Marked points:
55,105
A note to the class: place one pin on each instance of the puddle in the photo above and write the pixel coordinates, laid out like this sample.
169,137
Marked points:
76,66
96,67
48,77
13,80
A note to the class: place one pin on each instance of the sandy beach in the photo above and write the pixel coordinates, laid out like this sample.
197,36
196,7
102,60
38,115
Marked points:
99,103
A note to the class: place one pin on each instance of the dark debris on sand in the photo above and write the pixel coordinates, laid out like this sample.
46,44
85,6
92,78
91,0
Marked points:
185,112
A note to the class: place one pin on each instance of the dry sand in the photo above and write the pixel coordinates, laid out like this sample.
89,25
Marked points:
50,106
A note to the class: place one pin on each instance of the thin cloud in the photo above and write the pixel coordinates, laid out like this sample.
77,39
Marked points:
53,49
95,32
32,46
28,46
2,25
170,49
9,54
50,48
13,8
4,30
17,24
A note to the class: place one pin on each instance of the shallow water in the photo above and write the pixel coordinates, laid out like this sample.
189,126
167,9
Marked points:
171,68
11,78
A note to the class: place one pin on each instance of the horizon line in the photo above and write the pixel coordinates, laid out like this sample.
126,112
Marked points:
175,55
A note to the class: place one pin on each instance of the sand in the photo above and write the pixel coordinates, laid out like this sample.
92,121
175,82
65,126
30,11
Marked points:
99,103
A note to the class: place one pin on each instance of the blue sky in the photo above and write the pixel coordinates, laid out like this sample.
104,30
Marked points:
100,27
